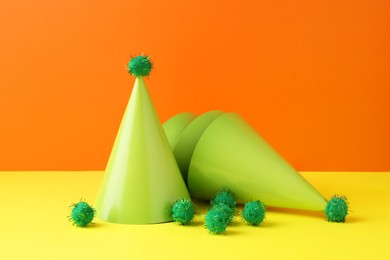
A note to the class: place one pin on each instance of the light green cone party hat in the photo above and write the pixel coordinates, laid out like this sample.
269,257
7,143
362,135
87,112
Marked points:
228,153
176,125
186,141
142,179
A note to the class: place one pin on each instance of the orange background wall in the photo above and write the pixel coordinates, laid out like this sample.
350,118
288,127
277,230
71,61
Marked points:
311,76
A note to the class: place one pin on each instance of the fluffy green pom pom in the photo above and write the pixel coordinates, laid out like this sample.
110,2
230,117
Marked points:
226,197
254,212
337,209
216,220
183,211
228,213
140,66
82,214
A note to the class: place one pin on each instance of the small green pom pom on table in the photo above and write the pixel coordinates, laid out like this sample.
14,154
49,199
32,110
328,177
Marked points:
337,209
183,211
217,219
82,214
227,211
226,197
254,212
140,66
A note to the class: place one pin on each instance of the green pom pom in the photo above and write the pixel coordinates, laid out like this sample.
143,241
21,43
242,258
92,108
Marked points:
228,212
183,211
216,220
226,197
254,212
82,214
337,209
140,66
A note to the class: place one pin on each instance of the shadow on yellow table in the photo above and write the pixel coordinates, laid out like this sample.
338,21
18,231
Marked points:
33,225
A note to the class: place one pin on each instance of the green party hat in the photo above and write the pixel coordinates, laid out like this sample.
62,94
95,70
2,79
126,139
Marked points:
188,139
229,153
142,179
175,126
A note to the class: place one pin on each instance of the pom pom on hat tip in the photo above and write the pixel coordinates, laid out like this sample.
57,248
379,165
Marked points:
140,66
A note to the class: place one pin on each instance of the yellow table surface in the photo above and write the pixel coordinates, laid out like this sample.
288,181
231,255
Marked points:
33,224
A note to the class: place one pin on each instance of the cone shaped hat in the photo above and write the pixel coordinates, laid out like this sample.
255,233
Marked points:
176,125
188,139
231,154
142,179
